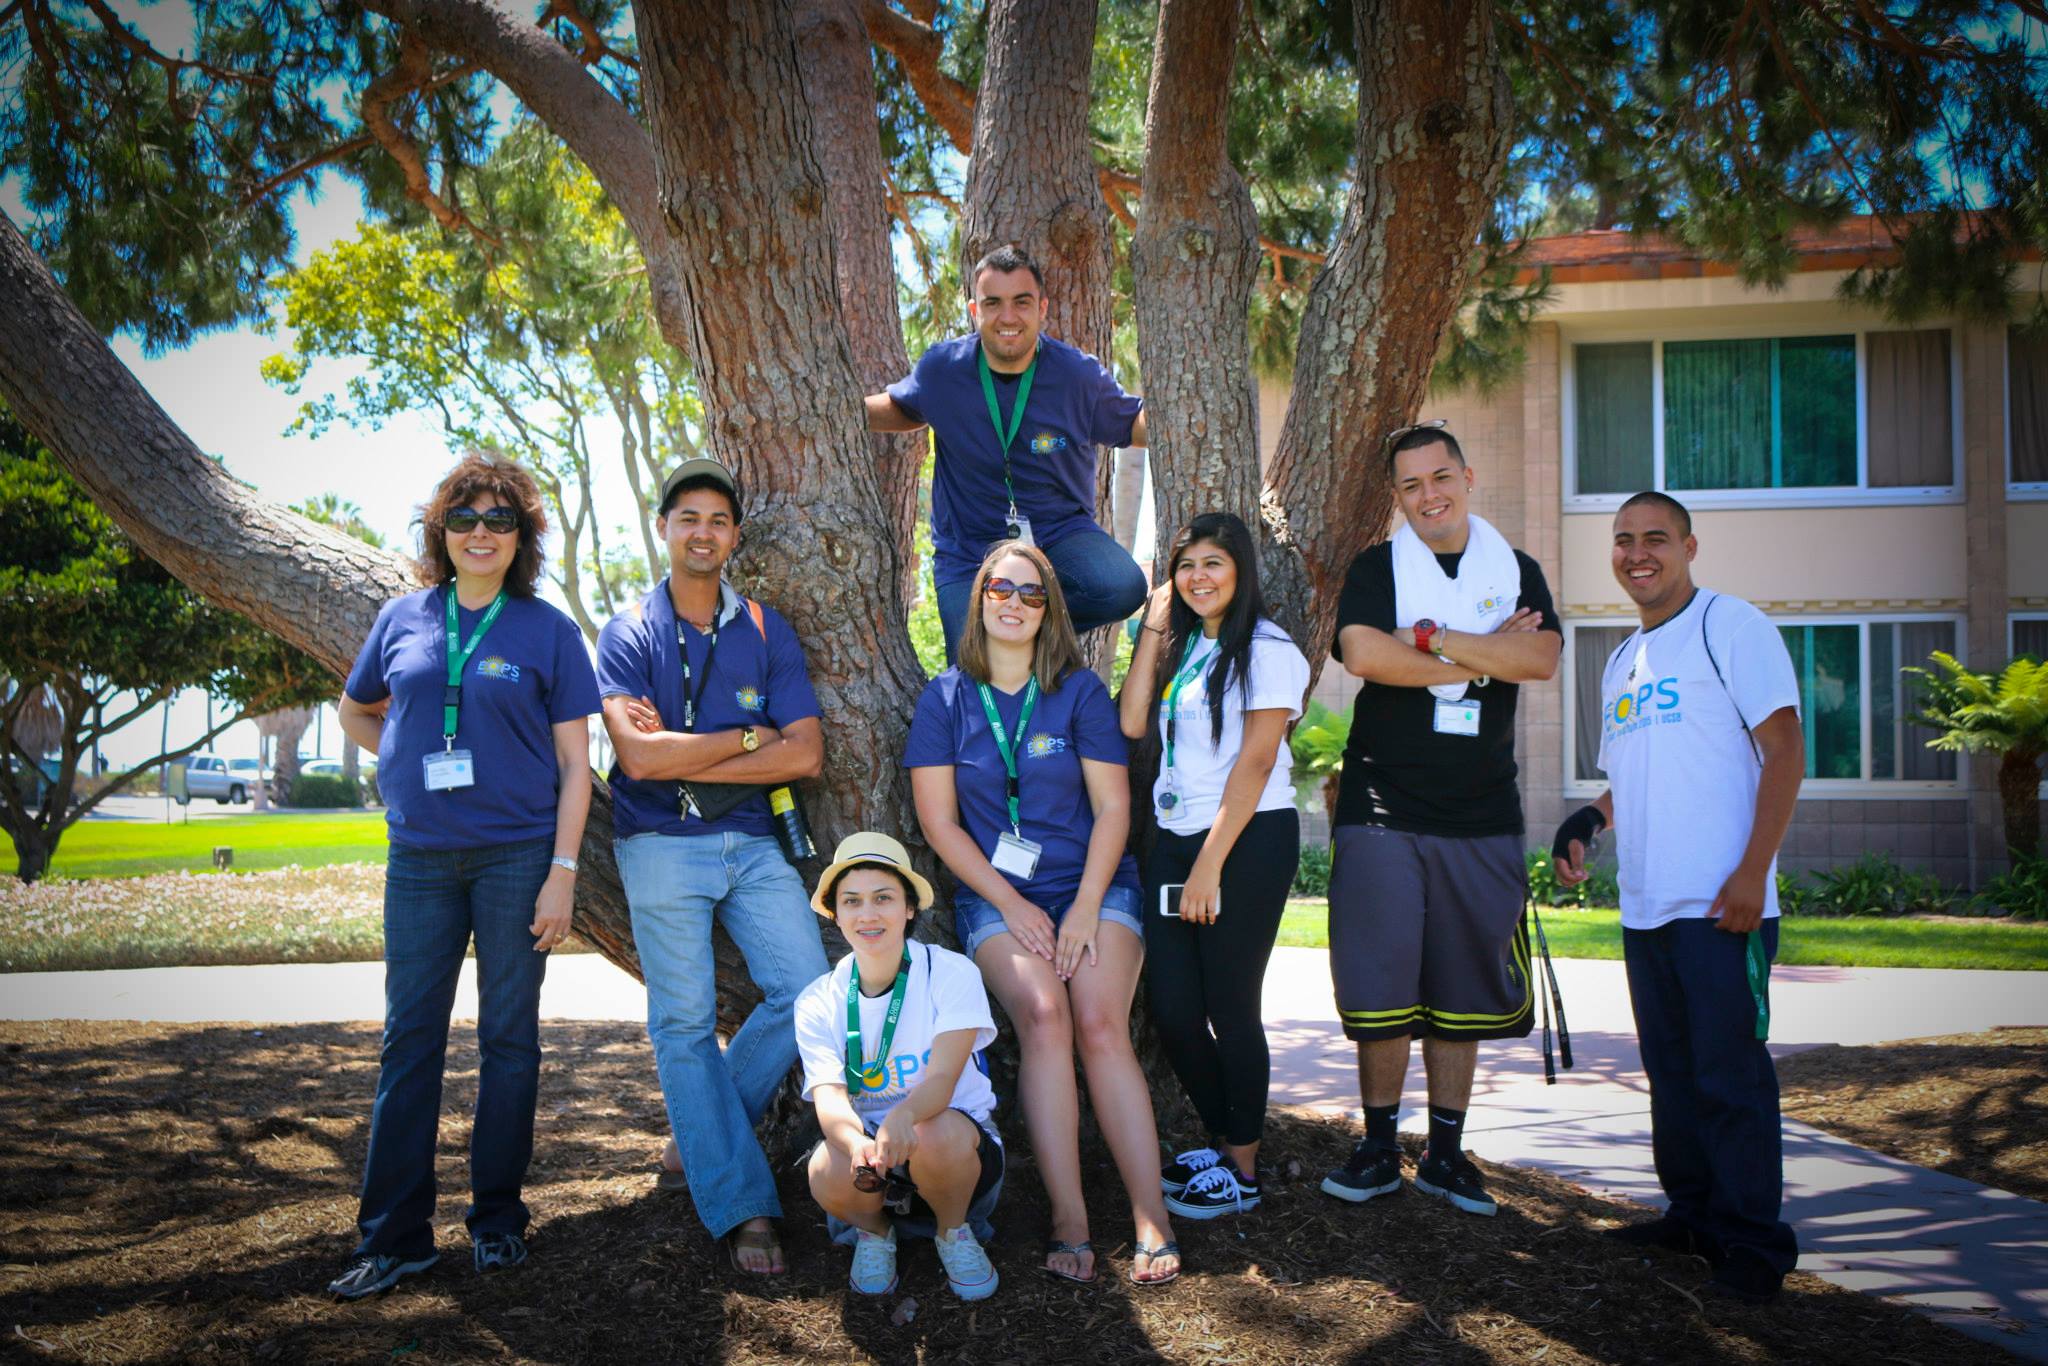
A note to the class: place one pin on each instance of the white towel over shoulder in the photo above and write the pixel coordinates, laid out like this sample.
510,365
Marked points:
1483,595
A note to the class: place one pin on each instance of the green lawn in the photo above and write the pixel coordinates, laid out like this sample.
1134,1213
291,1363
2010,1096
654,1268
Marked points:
132,848
1855,941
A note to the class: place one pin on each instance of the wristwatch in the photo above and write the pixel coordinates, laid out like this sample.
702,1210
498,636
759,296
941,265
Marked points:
1425,633
749,741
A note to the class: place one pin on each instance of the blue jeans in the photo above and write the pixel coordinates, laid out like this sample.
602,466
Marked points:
677,885
435,901
1103,584
1714,1126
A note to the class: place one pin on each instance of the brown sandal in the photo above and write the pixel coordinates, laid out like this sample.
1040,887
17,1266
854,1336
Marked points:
756,1240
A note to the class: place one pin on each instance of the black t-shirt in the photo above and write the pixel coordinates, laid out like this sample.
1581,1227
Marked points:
1398,771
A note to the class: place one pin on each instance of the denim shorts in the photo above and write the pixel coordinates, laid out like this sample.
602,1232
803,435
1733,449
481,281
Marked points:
976,921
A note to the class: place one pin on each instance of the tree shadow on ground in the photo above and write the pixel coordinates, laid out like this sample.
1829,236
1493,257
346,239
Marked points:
177,1193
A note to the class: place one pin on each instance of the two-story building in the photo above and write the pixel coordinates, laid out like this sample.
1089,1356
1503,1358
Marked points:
1881,491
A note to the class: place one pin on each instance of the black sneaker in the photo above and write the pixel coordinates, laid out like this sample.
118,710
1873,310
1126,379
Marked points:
1370,1171
1455,1180
368,1275
1174,1177
1218,1190
1668,1234
498,1251
1745,1278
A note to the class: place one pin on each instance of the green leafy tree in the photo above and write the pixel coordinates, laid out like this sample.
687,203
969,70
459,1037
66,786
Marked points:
93,635
331,509
2004,714
531,335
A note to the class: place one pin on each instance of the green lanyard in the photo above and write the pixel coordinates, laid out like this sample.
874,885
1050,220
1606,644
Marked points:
859,1071
1006,435
1759,963
1188,673
458,660
1008,747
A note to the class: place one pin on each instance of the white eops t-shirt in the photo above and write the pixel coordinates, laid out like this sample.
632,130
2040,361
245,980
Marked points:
1676,752
945,993
1277,678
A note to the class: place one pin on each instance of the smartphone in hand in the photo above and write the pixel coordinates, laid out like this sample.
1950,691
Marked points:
1169,900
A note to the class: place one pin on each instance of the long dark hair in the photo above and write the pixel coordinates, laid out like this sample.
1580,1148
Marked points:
1241,618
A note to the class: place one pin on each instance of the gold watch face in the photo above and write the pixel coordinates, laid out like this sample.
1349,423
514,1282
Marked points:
749,741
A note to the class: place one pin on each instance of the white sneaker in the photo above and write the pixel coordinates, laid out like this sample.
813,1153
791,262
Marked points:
968,1269
874,1263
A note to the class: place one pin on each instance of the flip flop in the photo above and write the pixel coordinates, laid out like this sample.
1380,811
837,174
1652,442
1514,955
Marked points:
1169,1248
1055,1248
755,1240
670,1178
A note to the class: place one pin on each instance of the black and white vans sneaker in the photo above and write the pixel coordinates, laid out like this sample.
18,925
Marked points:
1218,1190
498,1251
1455,1180
368,1274
1370,1171
1185,1167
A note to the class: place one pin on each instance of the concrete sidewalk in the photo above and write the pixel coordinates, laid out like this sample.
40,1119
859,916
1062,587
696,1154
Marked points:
1973,1257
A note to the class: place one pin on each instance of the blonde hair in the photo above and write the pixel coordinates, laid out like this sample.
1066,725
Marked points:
1054,653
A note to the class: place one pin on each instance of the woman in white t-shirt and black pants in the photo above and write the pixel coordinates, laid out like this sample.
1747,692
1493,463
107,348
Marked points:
1220,682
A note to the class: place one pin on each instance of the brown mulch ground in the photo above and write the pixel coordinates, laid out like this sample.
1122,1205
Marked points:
182,1193
1975,1105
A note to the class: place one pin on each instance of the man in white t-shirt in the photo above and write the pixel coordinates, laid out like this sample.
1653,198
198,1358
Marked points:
890,1041
1700,741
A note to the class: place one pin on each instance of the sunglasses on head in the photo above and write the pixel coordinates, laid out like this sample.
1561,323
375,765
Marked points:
1435,424
999,590
502,520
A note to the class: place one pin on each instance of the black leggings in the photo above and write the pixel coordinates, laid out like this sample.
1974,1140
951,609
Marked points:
1203,982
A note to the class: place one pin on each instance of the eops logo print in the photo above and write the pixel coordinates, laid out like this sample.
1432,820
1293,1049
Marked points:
749,699
1043,746
1631,708
1045,443
497,666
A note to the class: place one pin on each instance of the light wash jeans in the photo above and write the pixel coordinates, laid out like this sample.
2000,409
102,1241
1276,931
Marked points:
676,886
1102,583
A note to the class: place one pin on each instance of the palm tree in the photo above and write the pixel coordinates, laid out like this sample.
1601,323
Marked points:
2007,716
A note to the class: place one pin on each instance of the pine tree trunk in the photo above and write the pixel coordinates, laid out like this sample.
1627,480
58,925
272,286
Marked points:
839,77
734,151
1434,127
1195,257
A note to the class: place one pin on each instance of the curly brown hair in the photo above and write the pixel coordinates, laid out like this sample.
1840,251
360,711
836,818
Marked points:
495,476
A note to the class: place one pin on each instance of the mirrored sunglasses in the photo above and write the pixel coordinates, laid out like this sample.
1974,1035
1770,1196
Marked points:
999,590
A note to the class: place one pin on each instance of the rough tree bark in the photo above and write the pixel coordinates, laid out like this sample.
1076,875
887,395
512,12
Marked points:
1195,257
839,76
746,200
1434,128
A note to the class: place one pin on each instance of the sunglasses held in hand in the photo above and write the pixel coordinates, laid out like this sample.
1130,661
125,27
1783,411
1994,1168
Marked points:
501,520
999,590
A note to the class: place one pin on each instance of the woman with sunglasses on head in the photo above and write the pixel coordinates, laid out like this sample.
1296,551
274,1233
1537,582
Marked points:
1020,777
1221,682
475,697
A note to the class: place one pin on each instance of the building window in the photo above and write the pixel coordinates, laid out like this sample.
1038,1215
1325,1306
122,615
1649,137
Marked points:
2026,389
1856,702
1869,413
2028,635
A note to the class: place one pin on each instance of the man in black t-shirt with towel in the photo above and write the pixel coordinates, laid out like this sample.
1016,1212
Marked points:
1427,878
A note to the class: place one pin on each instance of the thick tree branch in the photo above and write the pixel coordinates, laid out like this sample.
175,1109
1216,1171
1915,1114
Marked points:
559,90
595,48
918,47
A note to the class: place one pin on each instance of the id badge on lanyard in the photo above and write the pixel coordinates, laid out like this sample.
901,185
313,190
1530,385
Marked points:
455,768
1013,855
1017,527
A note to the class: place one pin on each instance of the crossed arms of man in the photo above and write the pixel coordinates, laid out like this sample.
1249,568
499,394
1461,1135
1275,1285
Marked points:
1516,651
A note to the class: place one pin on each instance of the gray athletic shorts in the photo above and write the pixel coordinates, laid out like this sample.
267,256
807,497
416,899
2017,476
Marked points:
1428,936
